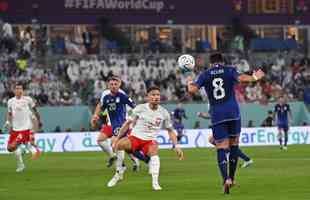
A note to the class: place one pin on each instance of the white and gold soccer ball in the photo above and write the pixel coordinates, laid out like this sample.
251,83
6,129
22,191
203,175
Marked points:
186,63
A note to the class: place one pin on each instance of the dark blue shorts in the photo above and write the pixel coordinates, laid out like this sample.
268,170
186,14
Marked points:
285,127
226,130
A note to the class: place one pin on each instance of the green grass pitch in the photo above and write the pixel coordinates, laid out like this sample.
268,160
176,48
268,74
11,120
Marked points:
275,175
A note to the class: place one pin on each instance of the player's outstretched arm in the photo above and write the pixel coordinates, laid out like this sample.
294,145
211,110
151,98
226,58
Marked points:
203,115
257,75
173,138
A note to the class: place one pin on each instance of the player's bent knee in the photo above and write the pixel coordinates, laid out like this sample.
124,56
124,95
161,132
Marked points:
153,150
234,141
11,148
224,144
123,144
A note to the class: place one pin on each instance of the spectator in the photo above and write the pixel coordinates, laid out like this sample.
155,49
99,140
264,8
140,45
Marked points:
276,90
87,40
73,72
240,91
263,100
57,129
27,39
197,125
76,100
8,37
99,87
72,47
251,93
250,124
243,66
268,121
66,100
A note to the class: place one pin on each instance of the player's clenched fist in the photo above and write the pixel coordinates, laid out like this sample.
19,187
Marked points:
94,120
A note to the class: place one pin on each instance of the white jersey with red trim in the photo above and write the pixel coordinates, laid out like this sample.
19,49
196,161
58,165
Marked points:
21,112
149,122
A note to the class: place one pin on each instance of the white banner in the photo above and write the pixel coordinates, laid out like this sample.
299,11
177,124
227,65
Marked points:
86,141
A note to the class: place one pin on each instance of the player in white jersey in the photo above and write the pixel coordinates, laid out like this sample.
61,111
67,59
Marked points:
20,122
147,119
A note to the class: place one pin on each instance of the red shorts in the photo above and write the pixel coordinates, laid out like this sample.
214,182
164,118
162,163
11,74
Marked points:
138,144
20,137
107,130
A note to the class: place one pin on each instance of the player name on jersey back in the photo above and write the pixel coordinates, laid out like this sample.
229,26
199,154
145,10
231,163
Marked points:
218,83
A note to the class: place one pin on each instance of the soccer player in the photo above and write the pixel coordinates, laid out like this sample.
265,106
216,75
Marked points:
147,119
179,113
19,120
283,115
219,82
247,160
179,127
114,100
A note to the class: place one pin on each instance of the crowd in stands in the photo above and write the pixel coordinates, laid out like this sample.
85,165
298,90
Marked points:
19,63
288,74
81,81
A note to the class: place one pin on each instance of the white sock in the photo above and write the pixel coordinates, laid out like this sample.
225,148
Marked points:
119,161
19,156
106,147
31,148
154,168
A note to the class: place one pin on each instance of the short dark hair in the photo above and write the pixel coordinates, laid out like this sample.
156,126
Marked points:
19,84
216,58
114,77
150,89
270,112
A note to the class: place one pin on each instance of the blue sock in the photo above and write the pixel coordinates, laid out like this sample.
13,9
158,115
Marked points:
285,138
280,138
141,156
222,162
243,156
233,161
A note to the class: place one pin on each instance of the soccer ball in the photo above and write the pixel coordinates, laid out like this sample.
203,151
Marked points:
186,63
